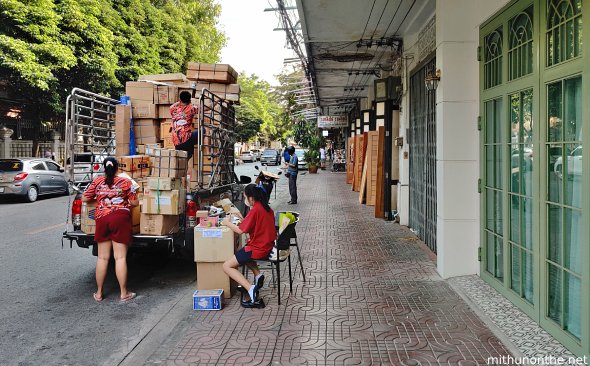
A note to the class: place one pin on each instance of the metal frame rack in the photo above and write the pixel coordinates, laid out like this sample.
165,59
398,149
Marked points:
216,144
89,133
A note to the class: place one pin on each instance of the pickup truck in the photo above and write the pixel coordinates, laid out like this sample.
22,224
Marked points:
90,137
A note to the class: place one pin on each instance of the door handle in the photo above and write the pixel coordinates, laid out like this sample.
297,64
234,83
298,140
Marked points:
51,177
38,177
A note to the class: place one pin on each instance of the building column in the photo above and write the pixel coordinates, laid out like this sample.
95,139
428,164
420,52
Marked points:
55,135
5,134
457,96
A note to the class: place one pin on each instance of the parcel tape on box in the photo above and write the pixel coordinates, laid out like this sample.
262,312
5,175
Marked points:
147,131
219,73
169,163
136,166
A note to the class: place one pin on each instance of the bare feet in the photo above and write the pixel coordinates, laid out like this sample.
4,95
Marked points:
130,296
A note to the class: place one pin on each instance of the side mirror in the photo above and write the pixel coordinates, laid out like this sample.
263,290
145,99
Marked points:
256,167
245,179
280,173
62,169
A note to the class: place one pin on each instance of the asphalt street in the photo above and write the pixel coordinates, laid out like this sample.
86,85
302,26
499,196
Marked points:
47,313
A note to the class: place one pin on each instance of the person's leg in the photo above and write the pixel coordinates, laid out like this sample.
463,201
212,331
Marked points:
230,268
102,264
253,267
291,187
120,253
294,195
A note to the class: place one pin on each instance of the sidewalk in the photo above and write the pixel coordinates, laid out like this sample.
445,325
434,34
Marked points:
372,297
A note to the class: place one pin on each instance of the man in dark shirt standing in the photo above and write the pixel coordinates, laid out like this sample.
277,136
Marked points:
293,169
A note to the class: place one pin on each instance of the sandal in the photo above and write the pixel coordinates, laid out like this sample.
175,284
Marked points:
130,297
97,299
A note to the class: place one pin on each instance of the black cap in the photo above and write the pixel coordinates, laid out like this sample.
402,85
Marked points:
291,150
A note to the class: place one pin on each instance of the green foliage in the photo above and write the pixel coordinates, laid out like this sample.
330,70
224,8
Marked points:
48,47
258,110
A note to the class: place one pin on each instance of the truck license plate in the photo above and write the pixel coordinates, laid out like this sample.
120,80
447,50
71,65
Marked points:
1,189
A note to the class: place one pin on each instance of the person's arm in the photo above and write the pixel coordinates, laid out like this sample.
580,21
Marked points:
174,105
90,193
227,222
134,203
86,199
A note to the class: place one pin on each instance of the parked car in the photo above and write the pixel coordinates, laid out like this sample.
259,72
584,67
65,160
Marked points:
31,177
257,153
574,164
247,156
299,153
270,157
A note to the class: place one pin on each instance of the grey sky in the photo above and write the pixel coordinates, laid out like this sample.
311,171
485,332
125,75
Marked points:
253,46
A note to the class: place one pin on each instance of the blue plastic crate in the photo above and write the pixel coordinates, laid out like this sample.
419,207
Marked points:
208,300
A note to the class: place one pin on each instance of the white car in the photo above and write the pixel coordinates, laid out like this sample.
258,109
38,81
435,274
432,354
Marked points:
574,163
299,153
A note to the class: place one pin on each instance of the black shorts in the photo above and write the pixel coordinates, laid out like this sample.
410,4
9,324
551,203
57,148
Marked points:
243,256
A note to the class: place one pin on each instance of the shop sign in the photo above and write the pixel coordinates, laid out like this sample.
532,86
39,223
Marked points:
332,121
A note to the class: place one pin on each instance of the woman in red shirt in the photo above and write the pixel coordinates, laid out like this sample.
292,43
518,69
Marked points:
260,224
115,196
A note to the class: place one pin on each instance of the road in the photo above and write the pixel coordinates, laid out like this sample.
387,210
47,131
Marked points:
47,313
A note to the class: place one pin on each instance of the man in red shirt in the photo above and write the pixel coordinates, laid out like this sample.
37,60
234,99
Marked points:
183,113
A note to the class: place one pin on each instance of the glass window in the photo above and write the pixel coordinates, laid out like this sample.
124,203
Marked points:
37,165
52,166
564,30
493,58
520,55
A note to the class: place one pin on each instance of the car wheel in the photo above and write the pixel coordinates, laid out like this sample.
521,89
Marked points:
32,194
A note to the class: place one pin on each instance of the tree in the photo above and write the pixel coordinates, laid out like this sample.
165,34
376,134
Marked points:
48,47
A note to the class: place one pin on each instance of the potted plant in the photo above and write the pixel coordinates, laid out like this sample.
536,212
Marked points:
312,160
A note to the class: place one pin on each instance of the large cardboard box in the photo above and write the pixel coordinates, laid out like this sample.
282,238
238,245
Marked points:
166,130
136,166
121,150
152,224
164,202
147,131
210,276
87,217
169,79
135,218
208,300
144,111
229,92
217,73
122,129
168,143
165,94
148,149
215,244
169,163
140,92
164,184
164,111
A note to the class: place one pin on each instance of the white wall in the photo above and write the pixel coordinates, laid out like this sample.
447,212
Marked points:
457,38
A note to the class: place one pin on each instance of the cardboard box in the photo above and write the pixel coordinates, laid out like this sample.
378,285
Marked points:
229,92
165,94
170,79
87,217
144,111
122,123
169,163
217,73
147,131
164,202
121,150
136,166
140,92
166,129
158,224
215,244
210,276
136,218
164,111
164,184
169,143
148,149
208,300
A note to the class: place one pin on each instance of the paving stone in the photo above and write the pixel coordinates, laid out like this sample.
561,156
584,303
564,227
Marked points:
372,297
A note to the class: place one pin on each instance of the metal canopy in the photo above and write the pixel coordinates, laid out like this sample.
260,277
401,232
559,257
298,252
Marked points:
349,42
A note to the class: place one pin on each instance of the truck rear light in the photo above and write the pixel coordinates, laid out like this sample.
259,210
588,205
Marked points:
77,212
191,214
21,176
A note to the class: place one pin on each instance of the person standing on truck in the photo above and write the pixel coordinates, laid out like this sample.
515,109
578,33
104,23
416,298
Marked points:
115,196
292,170
260,224
183,113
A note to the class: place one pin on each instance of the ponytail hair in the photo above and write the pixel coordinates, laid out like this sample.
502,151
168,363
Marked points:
258,193
110,169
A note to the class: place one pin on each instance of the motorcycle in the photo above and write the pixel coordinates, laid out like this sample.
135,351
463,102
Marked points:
267,180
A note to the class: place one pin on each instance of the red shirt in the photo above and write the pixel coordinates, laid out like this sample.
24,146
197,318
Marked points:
110,199
182,122
261,227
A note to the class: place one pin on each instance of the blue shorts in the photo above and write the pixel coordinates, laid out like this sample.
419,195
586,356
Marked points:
243,256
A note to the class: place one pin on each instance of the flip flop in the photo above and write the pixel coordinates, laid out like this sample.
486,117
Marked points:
98,299
130,297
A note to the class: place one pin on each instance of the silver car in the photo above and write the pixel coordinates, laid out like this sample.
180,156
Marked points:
31,177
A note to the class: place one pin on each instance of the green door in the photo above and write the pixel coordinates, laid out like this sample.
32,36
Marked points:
534,101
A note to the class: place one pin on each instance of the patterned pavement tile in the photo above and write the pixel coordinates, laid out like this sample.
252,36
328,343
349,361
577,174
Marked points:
372,296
